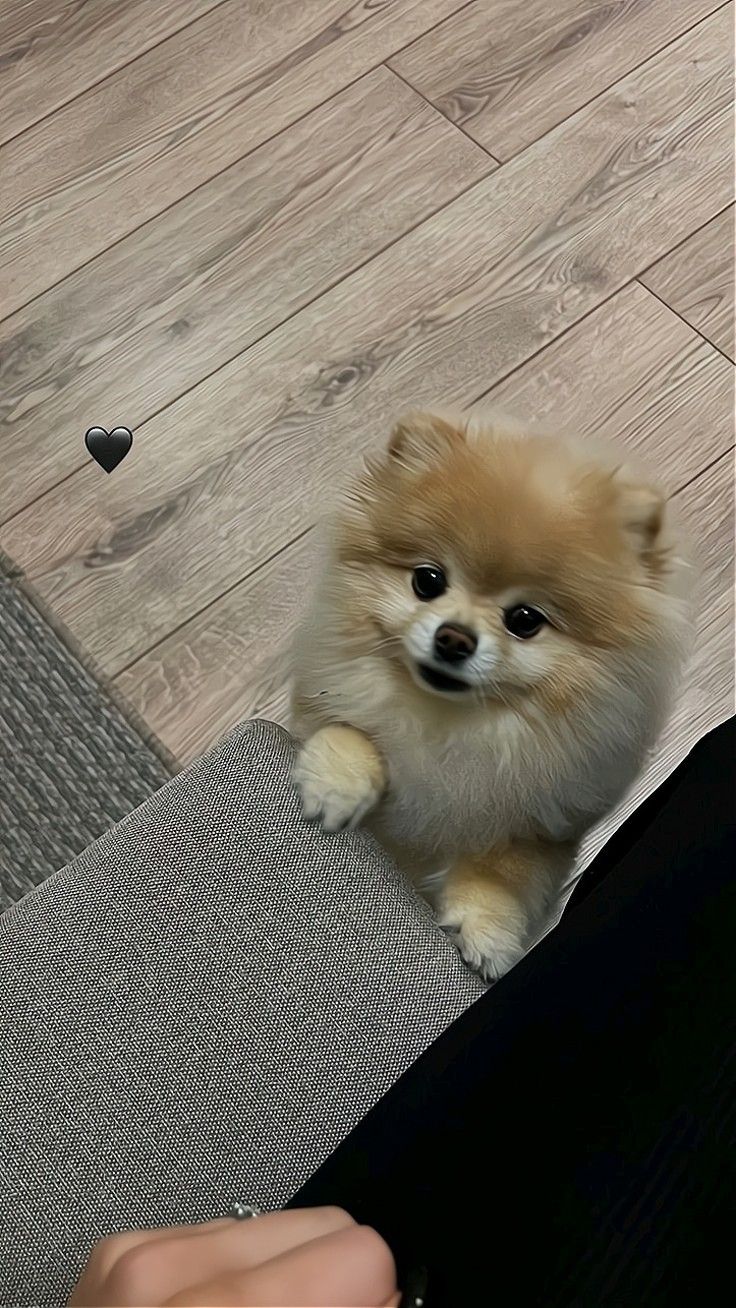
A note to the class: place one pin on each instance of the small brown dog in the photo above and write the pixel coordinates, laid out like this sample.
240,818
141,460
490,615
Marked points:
489,656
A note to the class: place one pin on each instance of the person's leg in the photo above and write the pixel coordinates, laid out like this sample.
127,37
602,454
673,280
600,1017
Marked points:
569,1140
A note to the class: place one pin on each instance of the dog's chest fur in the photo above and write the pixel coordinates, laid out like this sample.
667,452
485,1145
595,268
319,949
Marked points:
465,781
466,791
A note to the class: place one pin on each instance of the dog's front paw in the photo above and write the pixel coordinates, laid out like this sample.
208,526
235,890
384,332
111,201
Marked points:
339,776
486,945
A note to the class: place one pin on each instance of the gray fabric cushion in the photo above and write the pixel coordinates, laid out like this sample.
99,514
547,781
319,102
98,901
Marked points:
198,1009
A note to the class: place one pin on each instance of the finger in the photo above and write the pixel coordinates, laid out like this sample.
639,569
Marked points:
351,1266
106,1253
241,1245
156,1268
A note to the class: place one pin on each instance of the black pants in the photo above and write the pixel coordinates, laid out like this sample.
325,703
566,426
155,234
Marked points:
570,1139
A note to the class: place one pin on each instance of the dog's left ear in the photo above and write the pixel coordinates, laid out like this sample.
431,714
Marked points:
420,440
641,510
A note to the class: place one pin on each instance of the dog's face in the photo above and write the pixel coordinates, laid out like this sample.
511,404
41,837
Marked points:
489,566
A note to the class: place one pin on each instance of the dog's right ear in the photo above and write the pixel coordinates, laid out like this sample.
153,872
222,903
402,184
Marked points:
420,440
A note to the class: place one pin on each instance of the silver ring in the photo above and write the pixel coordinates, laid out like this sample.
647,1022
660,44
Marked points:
242,1212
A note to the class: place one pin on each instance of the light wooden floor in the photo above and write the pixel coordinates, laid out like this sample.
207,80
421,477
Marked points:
253,230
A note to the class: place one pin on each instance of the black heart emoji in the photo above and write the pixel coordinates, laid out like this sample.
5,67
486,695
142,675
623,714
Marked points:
109,448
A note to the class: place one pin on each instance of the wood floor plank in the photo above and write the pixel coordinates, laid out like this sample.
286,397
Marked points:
507,72
638,375
224,477
697,281
125,150
52,50
631,372
121,338
230,662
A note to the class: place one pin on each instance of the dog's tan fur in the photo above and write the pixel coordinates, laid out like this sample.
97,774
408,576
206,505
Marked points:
490,792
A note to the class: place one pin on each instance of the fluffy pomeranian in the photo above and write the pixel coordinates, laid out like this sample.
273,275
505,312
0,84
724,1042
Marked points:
489,655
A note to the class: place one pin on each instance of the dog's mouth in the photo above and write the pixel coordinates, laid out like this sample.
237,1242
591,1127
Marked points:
442,680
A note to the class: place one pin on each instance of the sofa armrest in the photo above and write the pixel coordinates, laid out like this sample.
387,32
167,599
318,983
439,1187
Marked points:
198,1009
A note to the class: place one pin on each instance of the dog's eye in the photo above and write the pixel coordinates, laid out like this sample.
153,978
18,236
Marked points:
523,621
428,581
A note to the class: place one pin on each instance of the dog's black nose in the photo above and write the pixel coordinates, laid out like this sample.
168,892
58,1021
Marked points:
453,643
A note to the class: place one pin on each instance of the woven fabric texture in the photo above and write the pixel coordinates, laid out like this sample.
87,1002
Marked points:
70,763
198,1009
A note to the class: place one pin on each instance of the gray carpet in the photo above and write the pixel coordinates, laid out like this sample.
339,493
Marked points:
72,763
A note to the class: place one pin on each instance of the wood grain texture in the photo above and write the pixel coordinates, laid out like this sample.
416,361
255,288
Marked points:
52,50
507,72
151,133
636,374
697,281
228,663
631,372
121,338
222,478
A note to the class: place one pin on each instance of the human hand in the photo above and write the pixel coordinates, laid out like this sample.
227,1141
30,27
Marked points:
310,1257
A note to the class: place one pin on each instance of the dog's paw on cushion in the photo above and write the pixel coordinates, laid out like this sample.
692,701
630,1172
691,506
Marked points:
489,946
340,777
